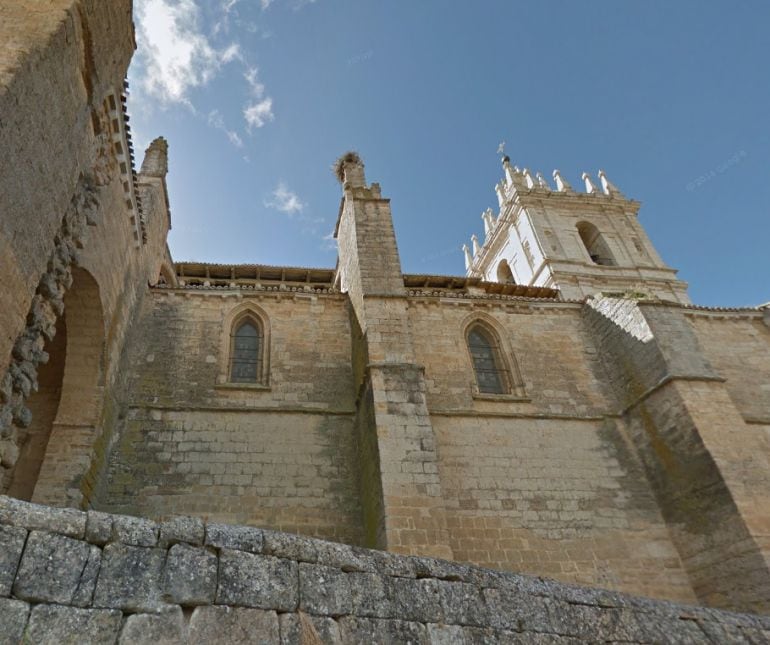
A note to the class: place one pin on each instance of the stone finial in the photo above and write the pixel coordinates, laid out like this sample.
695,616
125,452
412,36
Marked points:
468,256
500,190
608,187
541,181
349,169
155,162
489,220
561,184
476,247
513,176
529,178
590,188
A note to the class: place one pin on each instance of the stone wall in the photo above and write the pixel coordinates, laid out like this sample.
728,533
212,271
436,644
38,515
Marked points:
737,344
76,249
280,454
56,64
69,576
541,481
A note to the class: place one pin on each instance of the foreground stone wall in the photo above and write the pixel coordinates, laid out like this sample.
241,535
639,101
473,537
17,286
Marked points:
70,576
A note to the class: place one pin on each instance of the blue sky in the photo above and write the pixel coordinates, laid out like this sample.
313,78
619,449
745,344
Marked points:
258,97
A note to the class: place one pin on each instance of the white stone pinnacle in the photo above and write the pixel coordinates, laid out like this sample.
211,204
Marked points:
561,184
607,186
590,187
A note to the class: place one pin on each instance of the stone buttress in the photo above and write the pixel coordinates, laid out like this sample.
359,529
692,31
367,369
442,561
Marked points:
401,491
702,460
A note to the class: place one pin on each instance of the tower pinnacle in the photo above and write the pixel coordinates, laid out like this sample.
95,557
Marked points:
155,162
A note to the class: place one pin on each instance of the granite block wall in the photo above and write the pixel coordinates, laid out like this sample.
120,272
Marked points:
90,577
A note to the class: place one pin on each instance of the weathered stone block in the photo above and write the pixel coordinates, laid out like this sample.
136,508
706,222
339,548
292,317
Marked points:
444,570
417,600
166,627
233,625
514,611
462,604
98,527
445,634
343,556
13,620
130,578
190,576
65,521
301,628
288,545
240,538
369,595
50,568
188,530
54,625
134,531
491,636
85,593
250,580
11,545
390,564
381,632
324,590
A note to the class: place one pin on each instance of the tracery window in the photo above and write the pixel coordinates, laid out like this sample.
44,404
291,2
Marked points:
246,351
491,375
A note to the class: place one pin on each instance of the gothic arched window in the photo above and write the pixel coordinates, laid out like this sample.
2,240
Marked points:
491,375
246,351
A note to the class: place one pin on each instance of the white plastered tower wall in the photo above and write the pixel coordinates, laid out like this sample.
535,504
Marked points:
537,233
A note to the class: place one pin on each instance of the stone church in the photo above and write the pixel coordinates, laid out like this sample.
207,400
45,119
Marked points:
562,409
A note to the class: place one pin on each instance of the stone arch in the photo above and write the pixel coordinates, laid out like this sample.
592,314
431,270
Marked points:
246,311
504,273
595,244
504,355
66,410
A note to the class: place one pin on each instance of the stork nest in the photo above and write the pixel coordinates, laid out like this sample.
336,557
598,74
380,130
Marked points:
339,166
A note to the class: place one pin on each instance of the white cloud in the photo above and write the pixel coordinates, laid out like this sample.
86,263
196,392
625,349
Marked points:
174,54
259,113
251,76
298,4
285,201
216,121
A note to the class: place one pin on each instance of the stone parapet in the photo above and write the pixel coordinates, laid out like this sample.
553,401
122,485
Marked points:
94,577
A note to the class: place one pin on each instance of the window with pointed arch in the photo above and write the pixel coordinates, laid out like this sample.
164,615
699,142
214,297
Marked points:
247,345
492,375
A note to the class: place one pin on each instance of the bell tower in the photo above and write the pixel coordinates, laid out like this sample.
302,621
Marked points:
580,243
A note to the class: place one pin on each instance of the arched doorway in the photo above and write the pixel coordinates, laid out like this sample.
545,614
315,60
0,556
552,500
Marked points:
66,408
